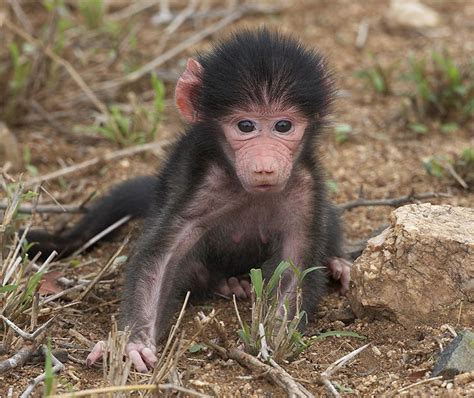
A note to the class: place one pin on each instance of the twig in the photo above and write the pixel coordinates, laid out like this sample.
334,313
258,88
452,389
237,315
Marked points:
69,68
19,358
82,339
65,292
132,9
455,175
283,379
25,335
393,202
43,209
274,373
57,367
216,12
284,372
419,382
164,15
130,388
171,350
450,330
175,24
190,41
166,56
96,160
335,366
32,341
100,235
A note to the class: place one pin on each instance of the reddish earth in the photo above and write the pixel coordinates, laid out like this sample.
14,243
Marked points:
381,157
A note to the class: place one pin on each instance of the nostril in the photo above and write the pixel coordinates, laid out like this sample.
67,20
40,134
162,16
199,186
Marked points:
264,167
264,171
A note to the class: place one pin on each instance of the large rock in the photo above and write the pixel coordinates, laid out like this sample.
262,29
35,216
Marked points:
420,270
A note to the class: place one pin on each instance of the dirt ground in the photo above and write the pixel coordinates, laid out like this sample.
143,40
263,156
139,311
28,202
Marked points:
381,157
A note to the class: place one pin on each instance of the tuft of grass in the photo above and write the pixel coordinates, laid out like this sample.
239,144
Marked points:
378,77
17,72
332,185
342,132
23,71
30,167
434,166
442,90
65,21
19,279
463,164
115,370
137,125
458,168
271,334
50,379
93,12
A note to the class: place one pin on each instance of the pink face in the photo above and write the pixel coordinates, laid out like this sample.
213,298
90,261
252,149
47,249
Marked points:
263,146
262,141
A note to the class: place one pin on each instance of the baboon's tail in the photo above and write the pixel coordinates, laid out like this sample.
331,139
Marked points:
132,198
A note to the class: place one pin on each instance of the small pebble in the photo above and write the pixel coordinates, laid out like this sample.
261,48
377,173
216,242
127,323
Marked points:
376,351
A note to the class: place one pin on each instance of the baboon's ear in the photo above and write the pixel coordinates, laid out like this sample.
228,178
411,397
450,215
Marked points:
186,90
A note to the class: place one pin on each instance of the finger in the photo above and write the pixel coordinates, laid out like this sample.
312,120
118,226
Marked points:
149,356
336,274
137,361
335,268
247,287
345,279
236,288
95,354
346,276
224,288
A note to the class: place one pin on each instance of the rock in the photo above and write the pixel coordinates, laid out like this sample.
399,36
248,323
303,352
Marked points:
9,149
457,357
410,14
419,271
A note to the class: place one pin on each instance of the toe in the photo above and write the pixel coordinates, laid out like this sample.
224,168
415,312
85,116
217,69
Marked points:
137,361
95,354
149,356
245,284
224,289
336,274
236,288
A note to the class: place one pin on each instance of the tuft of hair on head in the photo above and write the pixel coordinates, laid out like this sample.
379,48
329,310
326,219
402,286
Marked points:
261,68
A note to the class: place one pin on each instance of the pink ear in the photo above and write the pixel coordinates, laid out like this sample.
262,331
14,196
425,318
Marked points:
185,89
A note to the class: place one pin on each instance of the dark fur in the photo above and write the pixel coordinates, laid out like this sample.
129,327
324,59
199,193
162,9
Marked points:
240,70
234,75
